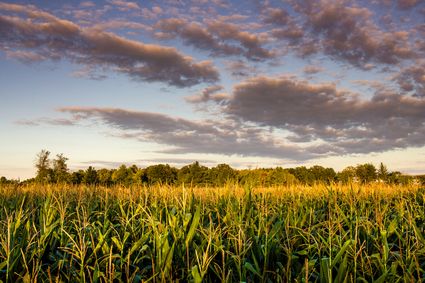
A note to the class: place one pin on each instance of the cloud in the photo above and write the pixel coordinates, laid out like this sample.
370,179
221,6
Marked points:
125,5
208,94
46,121
324,114
218,37
239,69
27,57
348,33
54,38
312,69
407,4
184,136
276,16
412,79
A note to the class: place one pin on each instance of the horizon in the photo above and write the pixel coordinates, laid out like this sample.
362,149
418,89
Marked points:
248,83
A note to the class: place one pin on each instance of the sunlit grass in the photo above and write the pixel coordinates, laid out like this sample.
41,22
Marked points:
280,234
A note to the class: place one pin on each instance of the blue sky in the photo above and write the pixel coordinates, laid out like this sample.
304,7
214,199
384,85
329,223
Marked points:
248,83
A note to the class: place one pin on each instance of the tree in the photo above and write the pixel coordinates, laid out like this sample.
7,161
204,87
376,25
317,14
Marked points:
194,174
366,172
347,175
279,176
124,175
104,177
322,174
302,174
221,174
60,169
90,176
42,164
76,177
383,172
161,174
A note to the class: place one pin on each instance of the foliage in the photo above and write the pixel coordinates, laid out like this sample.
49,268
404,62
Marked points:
161,174
42,164
193,174
366,173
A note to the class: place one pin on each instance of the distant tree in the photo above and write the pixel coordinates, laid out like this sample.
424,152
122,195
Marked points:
124,175
221,174
194,174
383,172
60,169
279,176
76,177
322,174
347,175
104,177
252,177
90,176
139,177
366,172
42,164
303,175
161,174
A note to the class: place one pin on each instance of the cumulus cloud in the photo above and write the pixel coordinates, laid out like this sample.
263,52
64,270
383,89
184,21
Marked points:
412,79
125,5
407,4
208,94
239,68
41,33
185,136
348,33
312,69
218,37
321,112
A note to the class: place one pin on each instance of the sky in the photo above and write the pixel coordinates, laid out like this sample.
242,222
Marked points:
248,83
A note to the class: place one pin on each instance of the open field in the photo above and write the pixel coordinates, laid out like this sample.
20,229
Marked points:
356,233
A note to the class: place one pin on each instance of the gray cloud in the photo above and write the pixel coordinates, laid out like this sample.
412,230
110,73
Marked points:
407,4
239,69
218,37
53,38
322,113
344,32
208,94
48,121
312,69
412,79
183,136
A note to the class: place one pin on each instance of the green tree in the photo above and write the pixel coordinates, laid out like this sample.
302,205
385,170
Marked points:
193,174
322,174
90,176
161,174
124,175
42,164
303,175
76,177
221,174
366,173
347,175
104,177
60,169
383,172
279,176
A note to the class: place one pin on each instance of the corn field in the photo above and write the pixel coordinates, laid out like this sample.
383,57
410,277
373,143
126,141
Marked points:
356,233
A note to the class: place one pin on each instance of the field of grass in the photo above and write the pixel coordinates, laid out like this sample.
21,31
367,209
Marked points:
358,233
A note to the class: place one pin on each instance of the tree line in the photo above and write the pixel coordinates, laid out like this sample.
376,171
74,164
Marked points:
56,171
